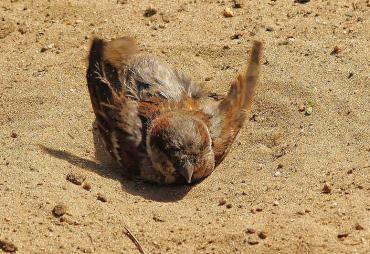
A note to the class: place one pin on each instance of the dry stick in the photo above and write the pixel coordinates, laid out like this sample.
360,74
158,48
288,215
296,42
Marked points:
91,240
133,239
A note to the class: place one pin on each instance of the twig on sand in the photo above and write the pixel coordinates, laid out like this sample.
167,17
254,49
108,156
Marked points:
92,241
133,239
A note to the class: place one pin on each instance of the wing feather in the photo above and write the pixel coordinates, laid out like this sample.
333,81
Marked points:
232,111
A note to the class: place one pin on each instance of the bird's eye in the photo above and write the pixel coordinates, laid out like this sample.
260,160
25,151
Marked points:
192,159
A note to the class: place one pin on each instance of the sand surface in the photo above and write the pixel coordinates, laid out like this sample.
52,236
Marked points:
271,182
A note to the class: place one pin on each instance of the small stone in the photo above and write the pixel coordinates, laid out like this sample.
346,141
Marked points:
262,235
7,246
208,78
101,197
228,13
59,210
221,202
336,50
77,179
252,242
302,1
275,203
342,236
269,29
236,36
237,4
22,30
226,46
86,186
150,12
277,174
359,227
350,75
326,189
14,135
47,47
301,107
156,218
308,111
283,43
228,206
250,231
280,166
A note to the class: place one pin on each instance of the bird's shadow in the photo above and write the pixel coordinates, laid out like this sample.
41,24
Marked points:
106,167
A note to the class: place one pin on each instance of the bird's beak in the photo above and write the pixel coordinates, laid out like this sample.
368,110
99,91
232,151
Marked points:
187,172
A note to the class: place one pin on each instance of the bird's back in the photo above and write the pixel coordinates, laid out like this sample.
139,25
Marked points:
147,77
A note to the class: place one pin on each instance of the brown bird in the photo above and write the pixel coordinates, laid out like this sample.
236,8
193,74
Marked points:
155,121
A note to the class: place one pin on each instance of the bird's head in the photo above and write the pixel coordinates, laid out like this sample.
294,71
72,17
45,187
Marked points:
180,148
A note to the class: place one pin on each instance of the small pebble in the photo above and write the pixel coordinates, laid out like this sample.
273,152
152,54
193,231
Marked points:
150,12
22,30
59,210
276,203
236,36
302,1
277,174
75,178
326,189
342,236
250,231
359,227
221,202
237,4
87,186
336,50
14,135
252,242
228,13
228,206
102,197
156,218
301,107
262,235
46,48
121,1
308,111
7,246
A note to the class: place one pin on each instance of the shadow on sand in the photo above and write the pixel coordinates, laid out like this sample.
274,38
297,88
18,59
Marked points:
107,168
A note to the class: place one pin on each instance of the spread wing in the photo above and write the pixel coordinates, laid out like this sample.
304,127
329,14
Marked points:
230,114
116,114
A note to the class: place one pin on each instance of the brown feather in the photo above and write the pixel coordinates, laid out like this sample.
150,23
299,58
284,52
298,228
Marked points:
233,109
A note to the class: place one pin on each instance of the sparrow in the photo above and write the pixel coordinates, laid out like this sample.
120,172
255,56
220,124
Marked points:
157,123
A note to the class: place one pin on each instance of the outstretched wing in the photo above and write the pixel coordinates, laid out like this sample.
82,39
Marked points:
116,114
231,112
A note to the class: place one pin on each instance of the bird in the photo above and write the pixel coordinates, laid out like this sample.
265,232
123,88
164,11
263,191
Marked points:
156,122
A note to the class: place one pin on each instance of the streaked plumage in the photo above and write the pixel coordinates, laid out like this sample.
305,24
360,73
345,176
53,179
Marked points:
155,121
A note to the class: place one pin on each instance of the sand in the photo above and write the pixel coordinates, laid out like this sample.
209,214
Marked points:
268,195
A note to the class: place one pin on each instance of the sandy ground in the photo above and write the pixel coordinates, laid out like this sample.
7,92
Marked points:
271,182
